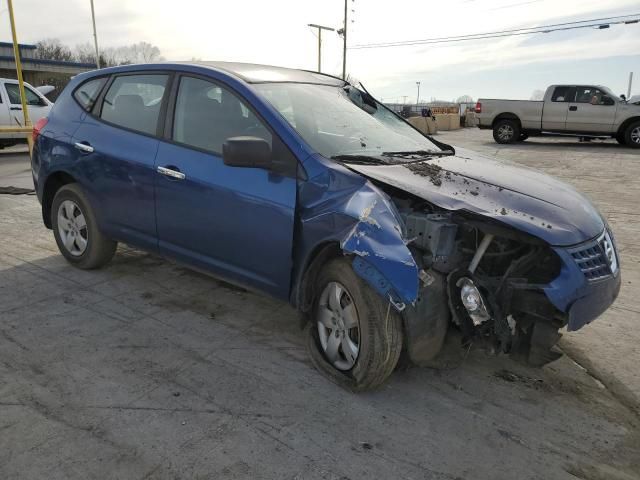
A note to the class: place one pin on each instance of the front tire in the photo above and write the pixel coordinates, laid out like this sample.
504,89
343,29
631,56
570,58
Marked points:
354,337
76,230
632,135
506,131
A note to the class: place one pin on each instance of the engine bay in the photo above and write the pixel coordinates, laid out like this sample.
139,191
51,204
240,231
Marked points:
491,277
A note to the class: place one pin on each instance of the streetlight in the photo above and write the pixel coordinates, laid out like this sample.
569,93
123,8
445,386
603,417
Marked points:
418,98
320,28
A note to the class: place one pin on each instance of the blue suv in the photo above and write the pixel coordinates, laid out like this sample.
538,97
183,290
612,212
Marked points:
305,187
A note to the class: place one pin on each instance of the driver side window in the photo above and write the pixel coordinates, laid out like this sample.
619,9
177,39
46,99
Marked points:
207,114
593,95
14,95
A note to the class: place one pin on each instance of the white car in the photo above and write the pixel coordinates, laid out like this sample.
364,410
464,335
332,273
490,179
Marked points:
11,109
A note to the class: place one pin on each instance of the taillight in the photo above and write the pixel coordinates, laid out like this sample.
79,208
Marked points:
37,128
478,107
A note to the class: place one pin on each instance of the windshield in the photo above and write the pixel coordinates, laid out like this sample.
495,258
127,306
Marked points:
343,121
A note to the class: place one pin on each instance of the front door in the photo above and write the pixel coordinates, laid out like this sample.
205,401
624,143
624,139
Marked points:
234,221
593,111
38,107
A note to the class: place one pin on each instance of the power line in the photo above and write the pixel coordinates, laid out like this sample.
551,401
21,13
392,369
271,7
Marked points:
596,22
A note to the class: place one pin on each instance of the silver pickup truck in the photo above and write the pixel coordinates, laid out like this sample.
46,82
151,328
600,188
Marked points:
576,110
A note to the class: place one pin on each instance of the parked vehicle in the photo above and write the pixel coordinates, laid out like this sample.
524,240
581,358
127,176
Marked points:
11,109
305,187
576,110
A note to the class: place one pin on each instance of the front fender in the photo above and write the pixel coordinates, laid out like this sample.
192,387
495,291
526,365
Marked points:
338,205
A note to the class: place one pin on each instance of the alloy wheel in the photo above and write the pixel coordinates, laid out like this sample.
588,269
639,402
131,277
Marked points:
635,135
505,132
338,326
72,228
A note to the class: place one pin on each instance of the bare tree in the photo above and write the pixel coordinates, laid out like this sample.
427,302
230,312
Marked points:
537,95
141,52
53,49
464,99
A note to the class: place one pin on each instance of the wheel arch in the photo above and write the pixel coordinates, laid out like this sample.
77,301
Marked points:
304,289
624,125
54,182
506,116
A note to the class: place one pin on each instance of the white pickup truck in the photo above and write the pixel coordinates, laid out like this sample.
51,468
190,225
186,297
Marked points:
11,109
576,110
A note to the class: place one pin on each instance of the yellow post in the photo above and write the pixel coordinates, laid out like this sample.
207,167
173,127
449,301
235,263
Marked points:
16,53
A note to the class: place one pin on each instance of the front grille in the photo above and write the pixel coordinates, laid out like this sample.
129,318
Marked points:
596,258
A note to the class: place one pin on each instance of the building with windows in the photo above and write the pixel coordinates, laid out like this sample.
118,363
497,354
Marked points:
37,71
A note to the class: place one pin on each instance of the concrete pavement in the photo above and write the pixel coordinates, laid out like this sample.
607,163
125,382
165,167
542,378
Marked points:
148,370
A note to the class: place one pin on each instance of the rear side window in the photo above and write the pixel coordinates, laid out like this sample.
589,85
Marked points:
563,94
133,101
87,93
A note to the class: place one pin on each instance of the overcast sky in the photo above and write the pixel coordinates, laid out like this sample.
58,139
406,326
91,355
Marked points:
276,32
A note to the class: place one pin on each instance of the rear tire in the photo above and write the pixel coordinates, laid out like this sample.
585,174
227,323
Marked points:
76,230
632,135
378,336
506,131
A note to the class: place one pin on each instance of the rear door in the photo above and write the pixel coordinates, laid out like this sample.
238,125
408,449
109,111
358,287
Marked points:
592,111
554,113
116,147
235,221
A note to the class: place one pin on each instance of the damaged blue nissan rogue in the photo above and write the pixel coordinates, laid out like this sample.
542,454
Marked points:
303,186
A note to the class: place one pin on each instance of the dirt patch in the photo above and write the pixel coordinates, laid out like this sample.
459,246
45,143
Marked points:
432,172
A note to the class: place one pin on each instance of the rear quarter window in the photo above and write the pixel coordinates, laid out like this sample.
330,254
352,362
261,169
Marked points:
563,94
87,93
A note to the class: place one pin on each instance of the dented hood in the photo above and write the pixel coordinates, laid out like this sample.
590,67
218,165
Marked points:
517,196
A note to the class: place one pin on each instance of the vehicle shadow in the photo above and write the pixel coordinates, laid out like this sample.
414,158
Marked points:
146,335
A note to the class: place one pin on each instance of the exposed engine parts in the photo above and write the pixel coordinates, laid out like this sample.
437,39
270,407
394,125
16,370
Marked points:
492,278
472,301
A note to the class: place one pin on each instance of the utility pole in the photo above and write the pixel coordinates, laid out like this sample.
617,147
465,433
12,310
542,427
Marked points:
320,28
629,88
418,98
95,35
16,54
344,43
404,99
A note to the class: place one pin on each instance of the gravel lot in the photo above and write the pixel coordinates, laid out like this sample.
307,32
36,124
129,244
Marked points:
148,370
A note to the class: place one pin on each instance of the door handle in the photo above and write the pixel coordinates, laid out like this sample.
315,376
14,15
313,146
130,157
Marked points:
15,108
170,172
83,147
573,108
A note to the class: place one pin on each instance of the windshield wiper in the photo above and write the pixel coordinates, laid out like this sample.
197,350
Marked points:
361,159
415,154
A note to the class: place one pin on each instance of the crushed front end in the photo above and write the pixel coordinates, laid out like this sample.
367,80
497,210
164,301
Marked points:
506,290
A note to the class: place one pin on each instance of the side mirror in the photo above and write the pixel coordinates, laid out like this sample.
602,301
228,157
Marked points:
249,152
